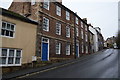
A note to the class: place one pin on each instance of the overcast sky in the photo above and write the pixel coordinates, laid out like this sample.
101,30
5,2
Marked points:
100,13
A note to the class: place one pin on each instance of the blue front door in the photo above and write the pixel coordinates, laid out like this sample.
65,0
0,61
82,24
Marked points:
77,51
44,51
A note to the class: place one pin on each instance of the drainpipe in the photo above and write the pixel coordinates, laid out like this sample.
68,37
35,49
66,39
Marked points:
75,39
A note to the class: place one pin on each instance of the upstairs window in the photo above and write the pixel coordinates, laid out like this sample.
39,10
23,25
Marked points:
67,15
58,28
82,33
8,29
82,24
77,31
58,10
67,31
46,4
86,37
86,27
45,24
76,20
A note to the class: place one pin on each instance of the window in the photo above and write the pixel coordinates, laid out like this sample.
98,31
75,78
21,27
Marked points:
10,57
45,24
82,48
58,28
32,2
67,15
58,47
58,10
86,27
67,49
82,34
82,24
46,4
86,37
76,20
8,29
77,32
86,49
67,31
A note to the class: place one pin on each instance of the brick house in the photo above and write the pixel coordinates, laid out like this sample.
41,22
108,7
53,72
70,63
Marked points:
18,38
59,30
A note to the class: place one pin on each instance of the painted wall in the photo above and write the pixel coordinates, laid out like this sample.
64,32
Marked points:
25,39
95,38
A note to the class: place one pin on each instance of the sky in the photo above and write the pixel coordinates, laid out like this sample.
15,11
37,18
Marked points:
100,13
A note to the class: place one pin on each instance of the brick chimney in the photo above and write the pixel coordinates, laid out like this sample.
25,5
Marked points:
60,1
23,8
85,19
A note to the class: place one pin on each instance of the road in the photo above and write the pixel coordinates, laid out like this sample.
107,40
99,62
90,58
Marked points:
101,65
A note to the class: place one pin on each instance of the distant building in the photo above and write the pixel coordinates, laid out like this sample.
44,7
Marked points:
95,38
110,42
98,38
91,42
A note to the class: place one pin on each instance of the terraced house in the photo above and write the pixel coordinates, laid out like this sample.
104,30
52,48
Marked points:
61,33
17,40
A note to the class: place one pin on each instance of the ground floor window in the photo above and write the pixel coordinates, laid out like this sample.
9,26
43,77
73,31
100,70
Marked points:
86,49
10,57
67,49
82,48
58,48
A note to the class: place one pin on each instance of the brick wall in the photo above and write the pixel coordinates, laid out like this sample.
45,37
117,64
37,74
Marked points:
37,12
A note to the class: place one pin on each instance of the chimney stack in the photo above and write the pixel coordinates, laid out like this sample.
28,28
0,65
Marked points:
85,19
60,1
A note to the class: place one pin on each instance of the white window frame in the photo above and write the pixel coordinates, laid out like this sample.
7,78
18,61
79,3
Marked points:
15,51
7,29
86,27
68,31
46,3
77,31
82,34
86,49
47,24
58,26
59,48
67,15
81,24
68,49
58,10
76,20
33,2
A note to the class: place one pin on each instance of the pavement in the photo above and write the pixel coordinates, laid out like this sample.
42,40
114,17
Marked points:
34,71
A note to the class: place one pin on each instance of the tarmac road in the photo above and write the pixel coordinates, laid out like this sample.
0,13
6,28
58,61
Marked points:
102,65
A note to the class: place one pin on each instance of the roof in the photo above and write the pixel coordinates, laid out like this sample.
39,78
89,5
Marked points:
14,15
